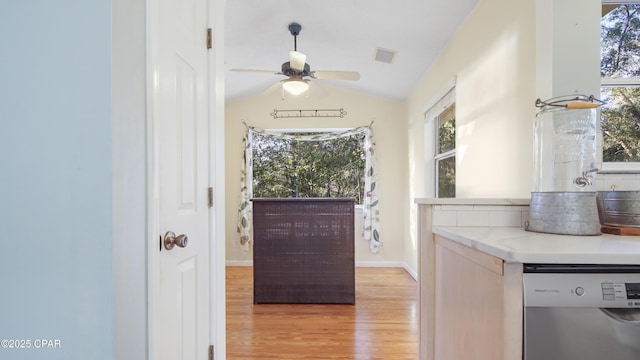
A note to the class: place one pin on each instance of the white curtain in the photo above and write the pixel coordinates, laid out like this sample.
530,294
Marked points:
371,213
245,220
370,210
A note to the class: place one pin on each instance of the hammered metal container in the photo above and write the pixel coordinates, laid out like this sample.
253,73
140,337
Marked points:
565,213
619,208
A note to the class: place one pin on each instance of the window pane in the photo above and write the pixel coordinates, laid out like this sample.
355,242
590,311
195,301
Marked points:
620,36
290,168
447,177
447,130
620,123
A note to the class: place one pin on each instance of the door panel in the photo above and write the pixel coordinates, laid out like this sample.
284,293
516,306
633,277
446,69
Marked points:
187,130
188,285
181,171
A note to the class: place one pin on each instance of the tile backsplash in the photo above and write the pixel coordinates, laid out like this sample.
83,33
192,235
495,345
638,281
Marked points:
480,215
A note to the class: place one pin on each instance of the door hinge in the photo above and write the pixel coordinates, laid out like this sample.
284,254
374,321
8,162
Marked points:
209,39
210,352
210,197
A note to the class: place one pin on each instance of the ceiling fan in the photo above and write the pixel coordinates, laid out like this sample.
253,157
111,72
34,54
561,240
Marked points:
298,70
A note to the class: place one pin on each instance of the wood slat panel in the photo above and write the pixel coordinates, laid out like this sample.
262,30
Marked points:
382,325
469,304
427,276
513,311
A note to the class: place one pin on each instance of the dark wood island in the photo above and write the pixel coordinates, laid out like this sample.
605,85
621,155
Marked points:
303,250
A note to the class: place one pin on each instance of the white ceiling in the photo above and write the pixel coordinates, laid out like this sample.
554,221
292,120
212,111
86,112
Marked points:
338,35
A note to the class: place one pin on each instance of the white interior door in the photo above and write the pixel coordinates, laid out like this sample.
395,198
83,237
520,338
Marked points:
180,319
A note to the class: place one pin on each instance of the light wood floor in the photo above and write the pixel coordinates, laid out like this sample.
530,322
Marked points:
382,325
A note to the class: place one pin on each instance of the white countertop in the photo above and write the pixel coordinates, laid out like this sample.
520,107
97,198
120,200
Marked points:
470,201
517,245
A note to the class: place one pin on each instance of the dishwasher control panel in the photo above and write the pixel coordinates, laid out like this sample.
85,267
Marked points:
582,290
620,291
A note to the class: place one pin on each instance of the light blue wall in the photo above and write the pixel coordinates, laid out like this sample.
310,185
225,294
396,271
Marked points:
128,99
55,178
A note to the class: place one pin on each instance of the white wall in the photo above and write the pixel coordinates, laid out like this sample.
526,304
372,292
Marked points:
567,47
56,178
390,133
492,59
505,56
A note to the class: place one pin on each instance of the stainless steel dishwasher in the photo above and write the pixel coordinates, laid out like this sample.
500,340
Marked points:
586,312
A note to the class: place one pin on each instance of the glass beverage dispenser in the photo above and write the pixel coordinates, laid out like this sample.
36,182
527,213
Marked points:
565,144
563,200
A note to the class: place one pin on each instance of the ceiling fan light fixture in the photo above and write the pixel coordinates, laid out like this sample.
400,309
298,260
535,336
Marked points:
295,86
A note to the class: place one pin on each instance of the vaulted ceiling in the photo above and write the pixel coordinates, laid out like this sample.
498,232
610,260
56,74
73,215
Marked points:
338,35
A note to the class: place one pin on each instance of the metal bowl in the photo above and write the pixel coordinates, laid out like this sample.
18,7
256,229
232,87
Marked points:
567,213
619,208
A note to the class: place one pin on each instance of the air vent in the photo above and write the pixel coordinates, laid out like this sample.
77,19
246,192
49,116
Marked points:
385,56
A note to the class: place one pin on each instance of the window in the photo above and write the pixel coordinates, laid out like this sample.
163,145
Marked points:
445,158
289,167
440,125
620,73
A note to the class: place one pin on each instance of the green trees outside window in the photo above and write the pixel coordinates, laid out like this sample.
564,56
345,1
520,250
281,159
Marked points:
620,70
446,153
293,168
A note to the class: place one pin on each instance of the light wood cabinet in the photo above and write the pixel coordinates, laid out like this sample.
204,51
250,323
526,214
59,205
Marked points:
478,304
470,302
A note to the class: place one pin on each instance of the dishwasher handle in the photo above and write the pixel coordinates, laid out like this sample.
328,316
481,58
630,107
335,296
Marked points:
626,316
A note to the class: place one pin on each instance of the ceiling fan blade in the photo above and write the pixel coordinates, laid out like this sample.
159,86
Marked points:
257,71
297,60
335,75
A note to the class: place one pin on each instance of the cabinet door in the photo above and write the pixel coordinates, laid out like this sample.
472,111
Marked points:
478,305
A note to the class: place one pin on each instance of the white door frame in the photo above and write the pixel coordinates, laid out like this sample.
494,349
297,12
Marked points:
133,210
217,320
217,179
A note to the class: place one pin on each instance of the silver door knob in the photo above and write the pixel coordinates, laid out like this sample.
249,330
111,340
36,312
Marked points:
171,240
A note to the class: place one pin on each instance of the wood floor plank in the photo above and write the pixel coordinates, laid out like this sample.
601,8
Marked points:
382,325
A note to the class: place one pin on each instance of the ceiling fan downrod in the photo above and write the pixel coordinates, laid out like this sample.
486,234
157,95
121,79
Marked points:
294,29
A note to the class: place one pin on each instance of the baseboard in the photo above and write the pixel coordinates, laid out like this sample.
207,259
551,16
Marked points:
239,263
397,264
379,264
410,271
358,263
